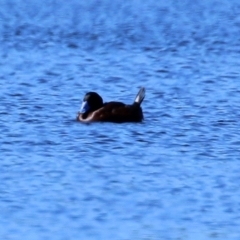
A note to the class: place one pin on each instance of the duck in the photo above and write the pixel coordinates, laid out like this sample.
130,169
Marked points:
93,109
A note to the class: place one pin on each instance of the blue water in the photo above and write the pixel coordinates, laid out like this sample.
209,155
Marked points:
173,177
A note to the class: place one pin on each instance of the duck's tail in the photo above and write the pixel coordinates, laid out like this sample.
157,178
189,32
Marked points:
140,96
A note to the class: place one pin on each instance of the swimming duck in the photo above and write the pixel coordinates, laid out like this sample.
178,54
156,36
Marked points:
94,110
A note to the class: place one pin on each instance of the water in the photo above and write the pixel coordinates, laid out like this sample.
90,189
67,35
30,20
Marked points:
174,176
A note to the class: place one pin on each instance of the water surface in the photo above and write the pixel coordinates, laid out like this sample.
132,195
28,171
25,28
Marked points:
173,176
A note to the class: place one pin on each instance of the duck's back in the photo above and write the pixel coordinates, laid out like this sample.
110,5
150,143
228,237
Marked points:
119,112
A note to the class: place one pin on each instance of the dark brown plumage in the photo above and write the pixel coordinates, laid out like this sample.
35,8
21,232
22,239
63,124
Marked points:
94,110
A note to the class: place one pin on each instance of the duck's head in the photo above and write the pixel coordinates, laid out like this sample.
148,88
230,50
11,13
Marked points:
91,102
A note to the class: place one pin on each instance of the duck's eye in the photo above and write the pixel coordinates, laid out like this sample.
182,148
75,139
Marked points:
84,107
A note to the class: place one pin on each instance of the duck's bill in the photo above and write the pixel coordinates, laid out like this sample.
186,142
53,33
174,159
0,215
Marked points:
84,107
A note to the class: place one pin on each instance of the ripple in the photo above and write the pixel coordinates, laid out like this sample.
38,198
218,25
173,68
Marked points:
174,176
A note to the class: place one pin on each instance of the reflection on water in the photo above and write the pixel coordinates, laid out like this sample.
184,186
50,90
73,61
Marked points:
174,176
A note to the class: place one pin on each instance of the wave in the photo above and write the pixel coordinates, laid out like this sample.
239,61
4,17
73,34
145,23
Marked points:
117,22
